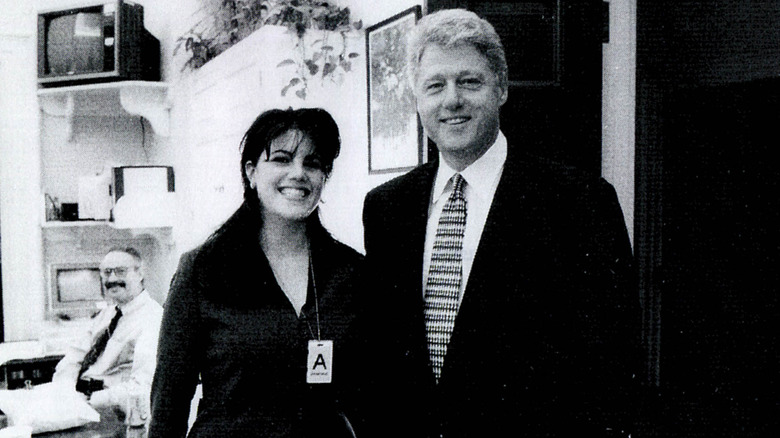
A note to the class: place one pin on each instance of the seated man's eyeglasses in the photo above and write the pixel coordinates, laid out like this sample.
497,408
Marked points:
119,271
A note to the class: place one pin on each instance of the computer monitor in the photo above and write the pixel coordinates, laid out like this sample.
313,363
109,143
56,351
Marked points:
75,291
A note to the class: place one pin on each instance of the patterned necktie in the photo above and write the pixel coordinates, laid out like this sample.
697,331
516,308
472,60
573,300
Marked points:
100,343
445,275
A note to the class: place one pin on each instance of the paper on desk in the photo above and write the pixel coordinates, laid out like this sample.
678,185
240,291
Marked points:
47,408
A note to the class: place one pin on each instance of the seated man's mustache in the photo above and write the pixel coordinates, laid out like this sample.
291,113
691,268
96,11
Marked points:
110,284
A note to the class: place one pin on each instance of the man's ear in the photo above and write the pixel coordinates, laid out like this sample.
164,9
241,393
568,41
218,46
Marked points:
503,94
142,272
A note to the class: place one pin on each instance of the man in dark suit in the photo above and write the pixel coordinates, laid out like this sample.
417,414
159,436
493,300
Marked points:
502,299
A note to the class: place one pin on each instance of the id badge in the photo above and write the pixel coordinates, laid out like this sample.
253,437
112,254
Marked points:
319,365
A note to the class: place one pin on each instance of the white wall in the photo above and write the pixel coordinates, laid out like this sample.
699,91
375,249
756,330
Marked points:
618,105
19,171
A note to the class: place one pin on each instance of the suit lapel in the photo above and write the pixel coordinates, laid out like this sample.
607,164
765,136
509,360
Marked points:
413,224
416,194
484,294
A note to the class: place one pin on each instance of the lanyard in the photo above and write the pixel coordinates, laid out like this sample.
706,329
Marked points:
316,301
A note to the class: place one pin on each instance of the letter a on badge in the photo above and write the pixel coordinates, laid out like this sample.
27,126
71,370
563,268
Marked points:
319,363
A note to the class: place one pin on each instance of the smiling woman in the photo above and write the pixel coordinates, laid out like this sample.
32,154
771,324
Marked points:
288,177
265,301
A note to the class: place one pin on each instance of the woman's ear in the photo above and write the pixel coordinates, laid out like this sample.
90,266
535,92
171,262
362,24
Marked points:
249,171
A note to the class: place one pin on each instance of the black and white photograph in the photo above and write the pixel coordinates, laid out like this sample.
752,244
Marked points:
382,219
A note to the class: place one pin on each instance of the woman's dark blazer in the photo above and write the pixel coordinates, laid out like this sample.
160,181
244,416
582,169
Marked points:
228,323
545,339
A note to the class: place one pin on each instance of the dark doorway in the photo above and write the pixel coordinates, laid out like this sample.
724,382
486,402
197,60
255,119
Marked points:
720,256
708,109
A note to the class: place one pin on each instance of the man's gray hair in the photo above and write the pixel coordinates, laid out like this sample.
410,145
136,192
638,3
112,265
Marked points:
451,28
134,253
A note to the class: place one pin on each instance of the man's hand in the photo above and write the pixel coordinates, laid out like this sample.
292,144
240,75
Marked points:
100,399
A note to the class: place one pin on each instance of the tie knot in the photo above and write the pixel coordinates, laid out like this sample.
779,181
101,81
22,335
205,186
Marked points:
457,184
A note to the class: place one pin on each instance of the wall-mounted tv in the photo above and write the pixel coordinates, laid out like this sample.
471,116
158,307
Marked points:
101,41
75,291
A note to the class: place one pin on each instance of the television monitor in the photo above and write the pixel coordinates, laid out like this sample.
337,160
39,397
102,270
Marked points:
100,41
75,291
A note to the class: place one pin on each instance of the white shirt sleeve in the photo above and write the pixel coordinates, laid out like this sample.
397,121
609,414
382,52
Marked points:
67,370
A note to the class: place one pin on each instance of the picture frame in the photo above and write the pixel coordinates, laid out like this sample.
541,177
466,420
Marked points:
395,135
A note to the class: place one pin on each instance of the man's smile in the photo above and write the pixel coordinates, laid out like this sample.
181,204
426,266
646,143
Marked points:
455,120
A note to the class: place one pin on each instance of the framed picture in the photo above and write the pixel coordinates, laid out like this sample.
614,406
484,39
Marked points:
395,138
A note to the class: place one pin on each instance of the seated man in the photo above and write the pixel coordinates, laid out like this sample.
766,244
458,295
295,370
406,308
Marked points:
114,362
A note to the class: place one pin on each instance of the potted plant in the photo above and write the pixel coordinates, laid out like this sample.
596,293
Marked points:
324,55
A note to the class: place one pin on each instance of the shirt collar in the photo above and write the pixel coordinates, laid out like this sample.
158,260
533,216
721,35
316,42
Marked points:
135,303
480,175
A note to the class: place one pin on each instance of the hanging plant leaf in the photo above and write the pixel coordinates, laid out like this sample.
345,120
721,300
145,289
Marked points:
301,93
287,61
300,29
236,19
293,82
353,55
313,68
328,68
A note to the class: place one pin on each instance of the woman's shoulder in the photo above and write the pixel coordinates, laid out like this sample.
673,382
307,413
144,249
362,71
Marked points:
348,253
339,251
217,258
205,253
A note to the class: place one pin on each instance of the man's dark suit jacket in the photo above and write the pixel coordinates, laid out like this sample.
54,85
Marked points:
545,339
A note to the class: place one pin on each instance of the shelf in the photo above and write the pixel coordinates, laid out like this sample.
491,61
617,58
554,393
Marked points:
142,98
98,224
102,230
76,224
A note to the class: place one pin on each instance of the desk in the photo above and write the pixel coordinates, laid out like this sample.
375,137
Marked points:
18,373
109,427
26,362
29,359
92,430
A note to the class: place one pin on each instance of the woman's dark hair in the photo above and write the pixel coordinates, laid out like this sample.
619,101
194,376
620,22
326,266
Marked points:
316,123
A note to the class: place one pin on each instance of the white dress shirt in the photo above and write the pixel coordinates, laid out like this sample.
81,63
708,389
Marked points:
481,178
127,364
